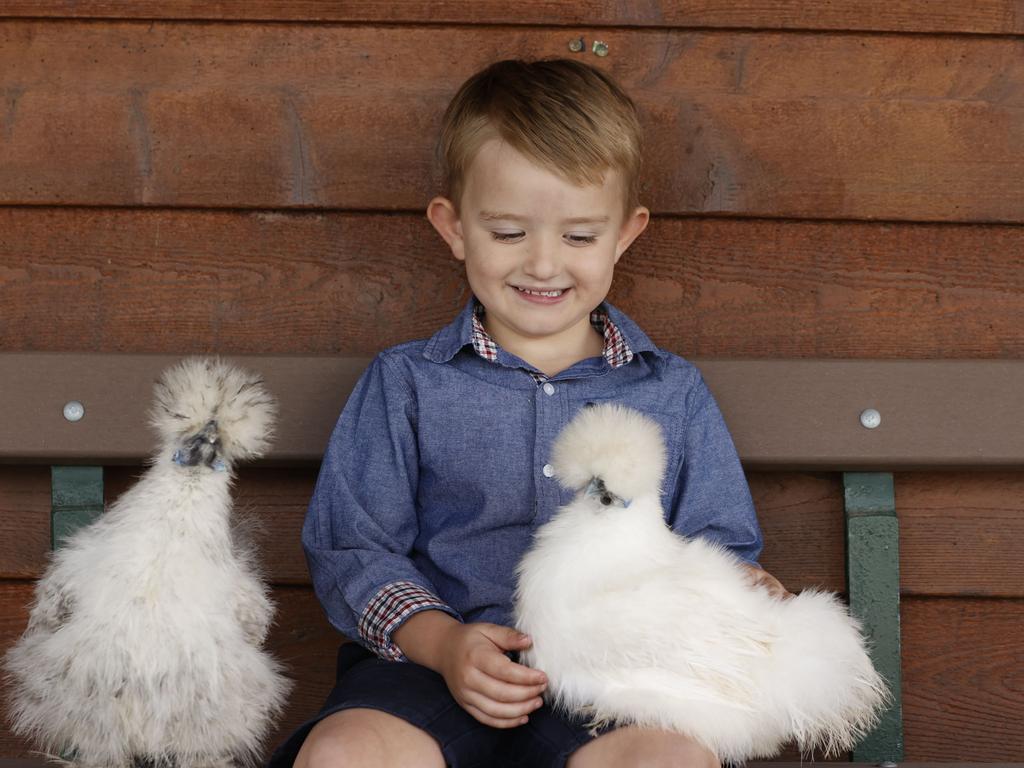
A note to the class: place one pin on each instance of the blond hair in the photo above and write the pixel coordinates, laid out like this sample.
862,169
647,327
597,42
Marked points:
568,117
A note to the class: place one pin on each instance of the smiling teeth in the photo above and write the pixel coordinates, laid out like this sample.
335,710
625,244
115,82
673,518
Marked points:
541,293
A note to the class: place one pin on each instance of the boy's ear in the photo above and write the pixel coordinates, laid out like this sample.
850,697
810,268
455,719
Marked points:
441,213
631,228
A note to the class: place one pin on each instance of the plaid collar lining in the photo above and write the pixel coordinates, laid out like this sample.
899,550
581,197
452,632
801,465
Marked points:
616,350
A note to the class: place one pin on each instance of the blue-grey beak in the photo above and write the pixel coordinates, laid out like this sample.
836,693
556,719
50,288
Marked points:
203,448
597,488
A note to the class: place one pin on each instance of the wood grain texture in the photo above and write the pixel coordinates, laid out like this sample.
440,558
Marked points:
793,414
270,504
15,597
301,639
801,517
963,679
25,505
343,283
978,17
838,126
958,531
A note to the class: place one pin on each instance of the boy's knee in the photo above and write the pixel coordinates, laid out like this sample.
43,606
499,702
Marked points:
362,738
673,755
643,748
691,756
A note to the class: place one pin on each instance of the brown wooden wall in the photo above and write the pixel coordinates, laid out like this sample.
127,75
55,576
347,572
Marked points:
835,180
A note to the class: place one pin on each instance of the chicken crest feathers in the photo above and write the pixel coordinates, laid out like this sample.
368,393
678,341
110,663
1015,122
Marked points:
198,390
618,445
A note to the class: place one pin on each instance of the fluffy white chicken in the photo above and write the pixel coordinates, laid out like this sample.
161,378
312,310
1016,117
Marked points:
634,624
144,643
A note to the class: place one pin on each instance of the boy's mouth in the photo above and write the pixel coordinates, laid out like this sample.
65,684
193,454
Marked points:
548,294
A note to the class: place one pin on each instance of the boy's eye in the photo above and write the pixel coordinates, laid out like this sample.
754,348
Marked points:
505,237
582,239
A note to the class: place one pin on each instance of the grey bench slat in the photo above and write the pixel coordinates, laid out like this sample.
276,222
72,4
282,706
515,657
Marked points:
783,414
39,763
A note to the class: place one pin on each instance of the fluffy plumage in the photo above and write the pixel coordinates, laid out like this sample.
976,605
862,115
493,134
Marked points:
635,624
144,642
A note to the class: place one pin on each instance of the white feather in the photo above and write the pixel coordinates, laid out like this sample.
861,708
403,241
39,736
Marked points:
144,640
634,624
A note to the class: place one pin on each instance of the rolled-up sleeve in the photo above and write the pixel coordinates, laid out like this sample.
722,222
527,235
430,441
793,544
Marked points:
712,497
362,522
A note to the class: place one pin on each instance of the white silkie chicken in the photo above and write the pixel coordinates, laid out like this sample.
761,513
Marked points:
634,624
144,643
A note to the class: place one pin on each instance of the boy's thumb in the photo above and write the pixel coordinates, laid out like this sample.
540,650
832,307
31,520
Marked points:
507,638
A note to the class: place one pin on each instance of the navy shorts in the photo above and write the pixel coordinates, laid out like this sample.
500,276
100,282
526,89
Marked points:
420,696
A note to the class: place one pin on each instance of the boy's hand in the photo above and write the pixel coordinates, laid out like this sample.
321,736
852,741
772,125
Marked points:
761,577
486,683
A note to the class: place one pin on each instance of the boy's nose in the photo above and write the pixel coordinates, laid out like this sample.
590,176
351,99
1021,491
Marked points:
542,261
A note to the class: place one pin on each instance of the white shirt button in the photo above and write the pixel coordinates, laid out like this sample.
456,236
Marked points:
548,470
549,389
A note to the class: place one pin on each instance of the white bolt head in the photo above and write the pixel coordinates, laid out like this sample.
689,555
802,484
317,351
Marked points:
870,418
74,410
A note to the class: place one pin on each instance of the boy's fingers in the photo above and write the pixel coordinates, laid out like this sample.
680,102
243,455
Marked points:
501,710
499,690
506,638
501,667
761,577
494,722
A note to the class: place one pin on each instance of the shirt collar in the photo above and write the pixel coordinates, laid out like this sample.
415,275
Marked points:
622,337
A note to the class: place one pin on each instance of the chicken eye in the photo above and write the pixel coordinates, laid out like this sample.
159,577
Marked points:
606,499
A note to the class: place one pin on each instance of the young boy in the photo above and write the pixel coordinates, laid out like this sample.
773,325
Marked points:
437,473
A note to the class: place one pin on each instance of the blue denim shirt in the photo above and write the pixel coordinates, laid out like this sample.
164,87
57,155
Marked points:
434,474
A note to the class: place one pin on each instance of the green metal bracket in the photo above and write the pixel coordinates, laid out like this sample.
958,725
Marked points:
873,581
77,500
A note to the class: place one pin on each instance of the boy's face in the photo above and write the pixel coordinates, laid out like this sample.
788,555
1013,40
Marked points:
522,228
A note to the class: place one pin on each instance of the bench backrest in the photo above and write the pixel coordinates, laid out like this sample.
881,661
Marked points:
783,414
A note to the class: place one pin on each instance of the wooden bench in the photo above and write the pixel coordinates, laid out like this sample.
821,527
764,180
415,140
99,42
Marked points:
80,412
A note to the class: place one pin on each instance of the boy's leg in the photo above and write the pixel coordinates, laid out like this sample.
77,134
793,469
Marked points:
553,739
631,745
396,706
367,737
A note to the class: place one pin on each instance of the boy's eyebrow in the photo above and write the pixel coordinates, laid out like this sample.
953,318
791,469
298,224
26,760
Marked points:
493,215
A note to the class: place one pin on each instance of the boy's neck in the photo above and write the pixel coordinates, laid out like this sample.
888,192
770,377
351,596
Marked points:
550,354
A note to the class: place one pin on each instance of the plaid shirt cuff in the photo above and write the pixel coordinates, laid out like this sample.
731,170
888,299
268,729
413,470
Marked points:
388,610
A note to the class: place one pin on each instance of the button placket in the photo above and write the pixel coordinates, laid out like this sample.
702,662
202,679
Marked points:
550,403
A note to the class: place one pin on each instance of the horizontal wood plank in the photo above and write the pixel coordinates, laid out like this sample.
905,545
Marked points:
963,679
782,414
351,284
25,505
816,126
800,514
15,598
977,17
801,518
958,531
